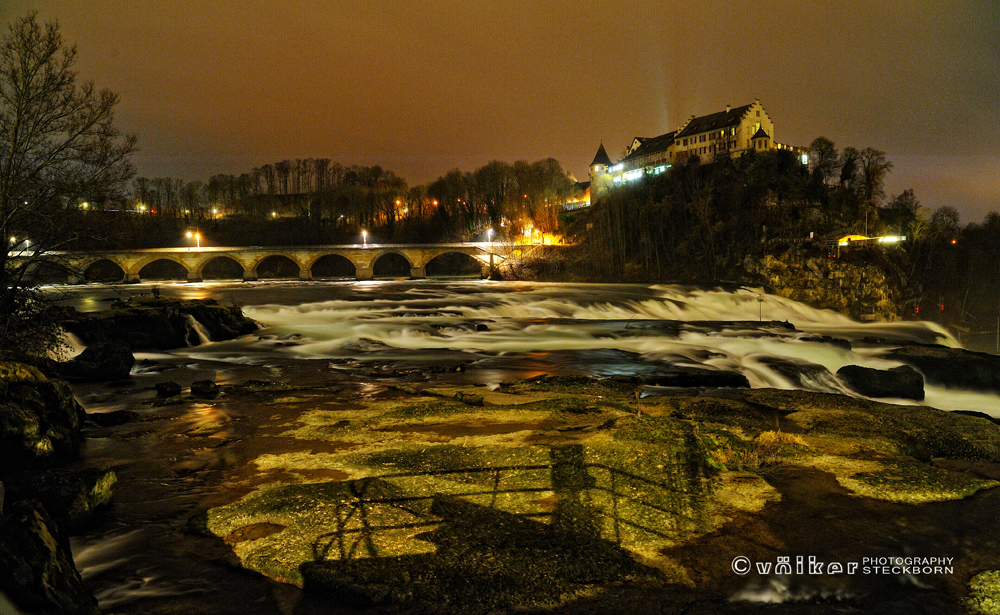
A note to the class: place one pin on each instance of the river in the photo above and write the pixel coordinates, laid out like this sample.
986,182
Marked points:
360,336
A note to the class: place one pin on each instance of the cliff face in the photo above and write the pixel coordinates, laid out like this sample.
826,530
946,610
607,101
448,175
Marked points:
863,284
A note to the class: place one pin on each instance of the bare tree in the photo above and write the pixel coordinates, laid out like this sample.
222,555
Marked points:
191,197
58,147
141,190
283,170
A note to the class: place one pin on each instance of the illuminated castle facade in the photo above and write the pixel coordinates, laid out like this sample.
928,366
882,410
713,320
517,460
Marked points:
732,132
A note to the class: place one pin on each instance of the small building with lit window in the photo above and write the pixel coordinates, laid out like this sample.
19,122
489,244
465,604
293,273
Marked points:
732,133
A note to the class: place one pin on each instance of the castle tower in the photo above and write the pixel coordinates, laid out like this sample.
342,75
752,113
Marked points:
600,179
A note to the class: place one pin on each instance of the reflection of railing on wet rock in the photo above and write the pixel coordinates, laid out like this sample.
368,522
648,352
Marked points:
581,517
560,503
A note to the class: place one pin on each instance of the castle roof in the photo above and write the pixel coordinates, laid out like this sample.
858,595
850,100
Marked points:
713,121
648,145
601,157
760,134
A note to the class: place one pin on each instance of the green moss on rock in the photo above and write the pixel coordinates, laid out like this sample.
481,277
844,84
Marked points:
984,593
913,483
39,419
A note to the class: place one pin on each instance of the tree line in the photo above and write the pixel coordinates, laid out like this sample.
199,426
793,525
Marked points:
509,198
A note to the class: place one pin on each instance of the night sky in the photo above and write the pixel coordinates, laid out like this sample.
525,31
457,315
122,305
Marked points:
420,88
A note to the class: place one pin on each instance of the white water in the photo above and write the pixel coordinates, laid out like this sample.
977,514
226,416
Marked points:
524,321
198,328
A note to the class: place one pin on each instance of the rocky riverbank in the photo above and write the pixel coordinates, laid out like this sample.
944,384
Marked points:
42,499
40,502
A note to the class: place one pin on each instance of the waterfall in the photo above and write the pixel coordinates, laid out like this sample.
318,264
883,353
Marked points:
196,327
72,346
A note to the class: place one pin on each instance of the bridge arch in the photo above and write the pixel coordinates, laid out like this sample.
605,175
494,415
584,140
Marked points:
453,264
332,266
104,270
162,268
391,263
277,266
221,267
50,271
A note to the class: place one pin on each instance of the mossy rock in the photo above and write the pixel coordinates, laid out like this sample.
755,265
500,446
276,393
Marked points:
40,419
913,483
917,431
72,497
613,387
750,417
984,593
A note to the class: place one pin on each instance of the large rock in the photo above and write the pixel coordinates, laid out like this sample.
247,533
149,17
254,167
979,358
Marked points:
71,497
952,367
36,567
204,388
901,382
167,389
39,419
145,323
102,361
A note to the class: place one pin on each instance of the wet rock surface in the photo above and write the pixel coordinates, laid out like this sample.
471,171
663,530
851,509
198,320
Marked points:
593,500
167,389
204,388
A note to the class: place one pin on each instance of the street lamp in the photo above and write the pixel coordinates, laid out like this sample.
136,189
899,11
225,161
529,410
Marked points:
364,238
197,238
489,235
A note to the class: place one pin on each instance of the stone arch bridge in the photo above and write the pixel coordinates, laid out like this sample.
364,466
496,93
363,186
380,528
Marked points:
194,260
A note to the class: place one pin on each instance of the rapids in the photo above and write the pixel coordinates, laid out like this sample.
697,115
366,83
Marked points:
494,330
